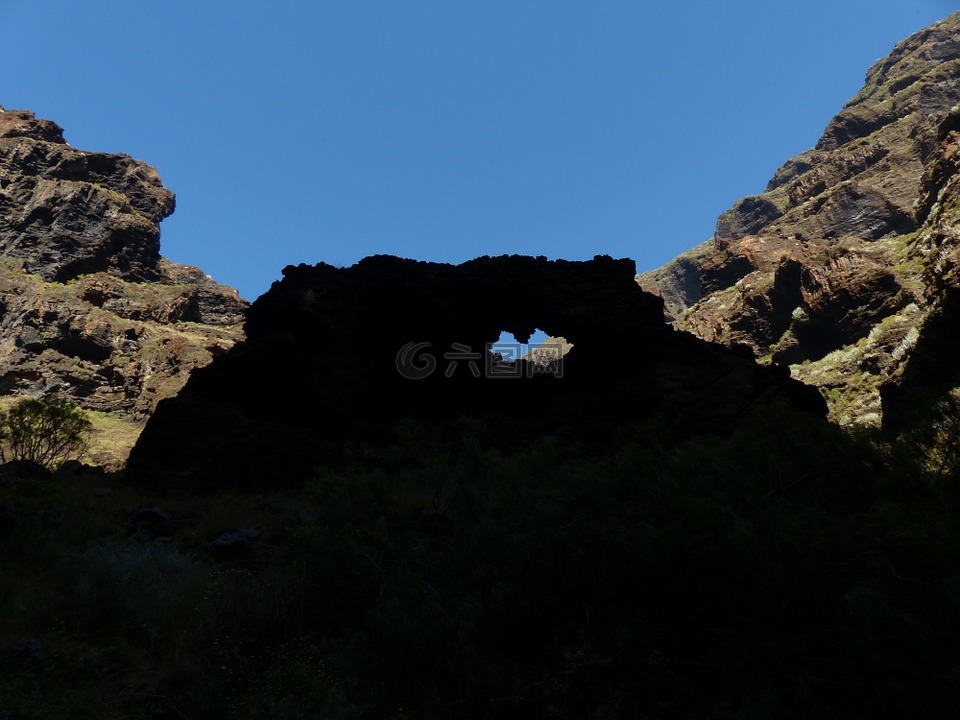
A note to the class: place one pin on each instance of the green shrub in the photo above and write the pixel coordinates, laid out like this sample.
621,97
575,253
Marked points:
47,432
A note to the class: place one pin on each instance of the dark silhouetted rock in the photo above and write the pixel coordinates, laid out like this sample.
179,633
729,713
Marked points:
8,519
155,522
235,543
28,652
73,469
23,470
330,352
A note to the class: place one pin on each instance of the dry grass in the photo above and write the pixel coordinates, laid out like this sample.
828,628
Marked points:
112,439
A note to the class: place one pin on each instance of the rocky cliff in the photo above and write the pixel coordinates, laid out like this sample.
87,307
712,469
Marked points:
334,356
89,310
834,269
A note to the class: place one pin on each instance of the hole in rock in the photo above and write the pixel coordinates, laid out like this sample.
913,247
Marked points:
511,349
540,345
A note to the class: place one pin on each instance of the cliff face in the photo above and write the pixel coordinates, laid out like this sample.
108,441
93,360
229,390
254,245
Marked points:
66,213
829,271
337,355
89,310
931,372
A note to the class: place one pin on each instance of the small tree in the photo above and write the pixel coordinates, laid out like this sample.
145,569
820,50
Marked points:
47,432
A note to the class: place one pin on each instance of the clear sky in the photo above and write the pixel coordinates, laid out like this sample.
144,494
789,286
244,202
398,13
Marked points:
444,129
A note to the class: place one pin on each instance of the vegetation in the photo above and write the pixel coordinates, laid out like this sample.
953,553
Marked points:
46,431
111,439
785,570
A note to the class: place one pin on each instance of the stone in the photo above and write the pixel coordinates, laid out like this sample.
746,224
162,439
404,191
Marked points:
73,469
156,522
335,355
23,470
235,543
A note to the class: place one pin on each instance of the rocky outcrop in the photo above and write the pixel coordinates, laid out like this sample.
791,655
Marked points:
930,371
66,213
827,271
334,356
89,310
677,283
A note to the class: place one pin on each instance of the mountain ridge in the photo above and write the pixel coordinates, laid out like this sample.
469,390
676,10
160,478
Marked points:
363,511
825,271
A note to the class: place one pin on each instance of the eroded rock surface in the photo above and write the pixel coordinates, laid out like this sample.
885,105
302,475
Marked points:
66,213
334,355
828,271
89,310
931,368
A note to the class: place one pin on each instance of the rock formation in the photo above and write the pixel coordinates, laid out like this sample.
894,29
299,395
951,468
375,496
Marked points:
831,270
932,370
334,356
89,310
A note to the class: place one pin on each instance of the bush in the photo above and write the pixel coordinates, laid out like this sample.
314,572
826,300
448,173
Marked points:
47,432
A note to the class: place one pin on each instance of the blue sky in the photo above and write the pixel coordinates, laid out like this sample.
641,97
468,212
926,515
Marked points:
442,130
